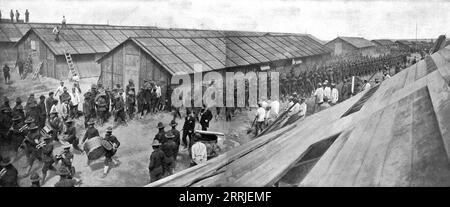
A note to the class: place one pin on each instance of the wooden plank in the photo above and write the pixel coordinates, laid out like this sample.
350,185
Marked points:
397,165
323,165
421,70
371,168
430,164
440,96
337,168
442,59
411,77
352,164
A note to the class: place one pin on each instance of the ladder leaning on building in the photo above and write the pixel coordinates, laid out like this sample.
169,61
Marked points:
72,71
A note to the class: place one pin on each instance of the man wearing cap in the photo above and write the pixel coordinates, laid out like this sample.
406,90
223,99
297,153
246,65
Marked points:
92,95
49,102
199,154
30,102
102,108
170,150
64,180
29,145
35,180
161,135
15,135
205,117
8,173
157,159
66,158
110,153
91,132
188,129
71,134
34,112
47,157
18,109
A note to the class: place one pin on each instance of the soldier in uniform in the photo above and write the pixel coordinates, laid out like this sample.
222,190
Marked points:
141,102
34,113
15,135
92,94
131,101
188,129
35,180
42,112
91,131
49,102
5,122
30,145
157,159
87,109
56,124
170,150
102,109
119,110
71,135
47,157
205,117
161,135
176,133
18,109
110,153
64,180
66,158
8,173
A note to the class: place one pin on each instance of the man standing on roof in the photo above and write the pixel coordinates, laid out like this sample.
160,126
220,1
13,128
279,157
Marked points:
11,14
63,23
56,33
27,16
17,16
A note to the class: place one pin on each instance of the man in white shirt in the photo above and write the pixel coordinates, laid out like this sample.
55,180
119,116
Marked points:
302,108
295,109
327,91
198,152
319,95
334,94
74,102
260,117
59,90
275,107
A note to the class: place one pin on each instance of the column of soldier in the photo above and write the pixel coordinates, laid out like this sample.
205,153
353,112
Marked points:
338,72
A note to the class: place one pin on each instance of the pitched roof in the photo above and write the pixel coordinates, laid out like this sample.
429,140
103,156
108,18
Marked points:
12,32
180,54
357,42
404,42
399,137
383,42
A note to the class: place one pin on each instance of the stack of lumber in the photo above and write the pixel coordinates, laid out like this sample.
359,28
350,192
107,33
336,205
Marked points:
399,137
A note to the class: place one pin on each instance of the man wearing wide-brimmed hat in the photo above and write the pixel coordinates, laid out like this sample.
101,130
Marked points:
91,131
71,134
66,158
64,180
161,135
170,149
18,108
5,122
8,173
157,160
110,153
119,110
35,180
176,133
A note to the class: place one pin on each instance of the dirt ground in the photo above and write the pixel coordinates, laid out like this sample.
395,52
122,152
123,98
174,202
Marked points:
135,138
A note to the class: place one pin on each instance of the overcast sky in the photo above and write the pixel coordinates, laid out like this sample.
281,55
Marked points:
324,19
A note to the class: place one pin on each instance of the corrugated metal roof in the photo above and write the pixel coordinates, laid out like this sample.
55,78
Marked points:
358,42
383,42
213,53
